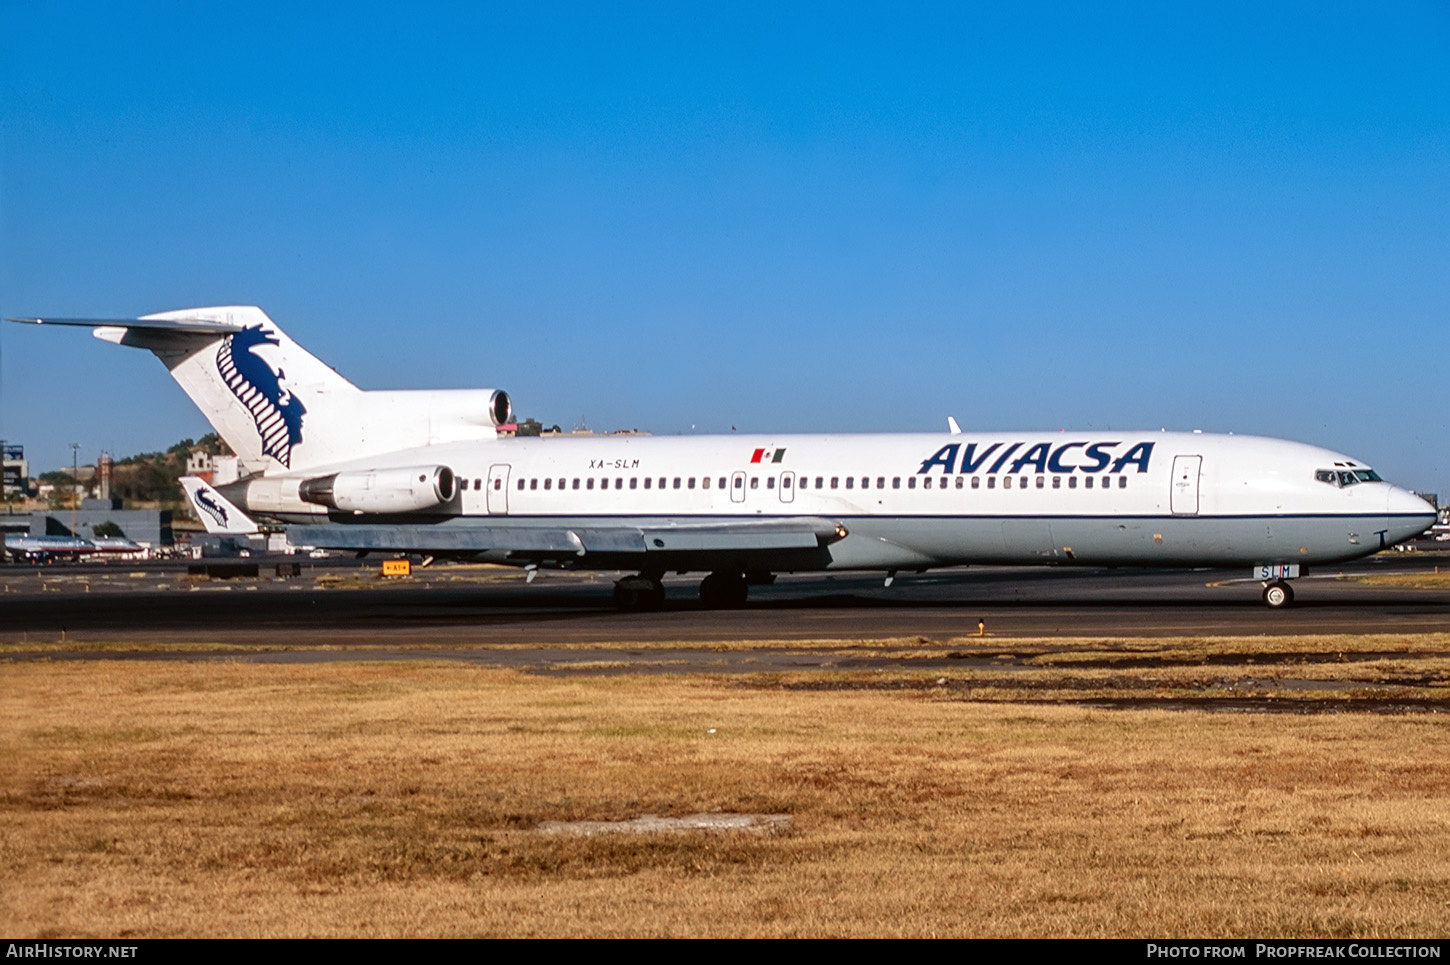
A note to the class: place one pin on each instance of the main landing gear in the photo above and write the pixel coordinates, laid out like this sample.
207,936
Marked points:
723,589
1278,594
641,592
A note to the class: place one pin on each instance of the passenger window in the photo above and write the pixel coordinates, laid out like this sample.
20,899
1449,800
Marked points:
769,482
722,482
991,482
677,482
739,482
880,482
1122,482
976,482
647,481
533,484
820,482
690,484
576,483
754,482
850,482
662,482
895,482
497,485
1087,482
589,483
705,482
618,483
1007,483
926,482
633,482
478,484
910,482
784,482
1041,482
1071,482
548,484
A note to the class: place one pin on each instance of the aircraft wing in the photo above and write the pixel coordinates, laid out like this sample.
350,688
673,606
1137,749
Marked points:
627,538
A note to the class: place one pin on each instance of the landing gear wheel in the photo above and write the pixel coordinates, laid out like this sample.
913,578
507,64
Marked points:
1278,594
637,593
723,590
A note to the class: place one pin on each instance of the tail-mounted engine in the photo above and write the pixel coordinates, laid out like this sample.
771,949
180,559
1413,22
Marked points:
500,407
408,490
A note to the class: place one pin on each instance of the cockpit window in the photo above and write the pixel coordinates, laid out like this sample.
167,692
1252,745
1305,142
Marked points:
1346,477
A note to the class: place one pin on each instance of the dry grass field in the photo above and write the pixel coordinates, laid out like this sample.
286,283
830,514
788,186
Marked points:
1425,581
236,799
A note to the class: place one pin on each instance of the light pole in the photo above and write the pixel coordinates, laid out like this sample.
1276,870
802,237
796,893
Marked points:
75,478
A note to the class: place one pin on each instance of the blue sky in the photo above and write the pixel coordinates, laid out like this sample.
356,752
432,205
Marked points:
1233,217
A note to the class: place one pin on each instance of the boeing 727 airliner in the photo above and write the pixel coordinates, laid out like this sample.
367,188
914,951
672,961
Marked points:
427,472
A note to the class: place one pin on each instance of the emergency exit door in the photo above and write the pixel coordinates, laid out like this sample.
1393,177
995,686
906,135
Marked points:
498,489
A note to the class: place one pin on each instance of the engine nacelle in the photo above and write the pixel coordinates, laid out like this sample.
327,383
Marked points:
500,407
408,490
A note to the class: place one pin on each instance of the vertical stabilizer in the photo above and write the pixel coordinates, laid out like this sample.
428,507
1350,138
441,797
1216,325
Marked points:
214,510
282,410
274,403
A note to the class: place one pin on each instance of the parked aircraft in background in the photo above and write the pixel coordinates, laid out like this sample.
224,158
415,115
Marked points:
45,548
427,472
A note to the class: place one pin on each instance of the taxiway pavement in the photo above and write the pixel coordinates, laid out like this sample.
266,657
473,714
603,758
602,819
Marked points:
446,612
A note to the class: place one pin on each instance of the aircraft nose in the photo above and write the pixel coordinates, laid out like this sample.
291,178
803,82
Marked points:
1409,514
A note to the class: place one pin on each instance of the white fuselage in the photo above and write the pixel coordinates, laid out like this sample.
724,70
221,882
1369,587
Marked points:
917,501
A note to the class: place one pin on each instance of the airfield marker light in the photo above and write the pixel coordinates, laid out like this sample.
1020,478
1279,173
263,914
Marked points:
981,628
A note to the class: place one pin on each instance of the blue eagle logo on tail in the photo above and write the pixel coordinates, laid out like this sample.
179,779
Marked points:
277,413
214,509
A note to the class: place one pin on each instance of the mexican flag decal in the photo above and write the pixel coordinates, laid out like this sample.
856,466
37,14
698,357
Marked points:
767,455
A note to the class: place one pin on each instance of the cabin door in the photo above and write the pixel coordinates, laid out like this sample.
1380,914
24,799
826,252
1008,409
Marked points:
1184,499
498,490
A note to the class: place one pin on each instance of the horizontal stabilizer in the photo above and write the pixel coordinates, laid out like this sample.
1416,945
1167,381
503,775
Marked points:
190,326
214,510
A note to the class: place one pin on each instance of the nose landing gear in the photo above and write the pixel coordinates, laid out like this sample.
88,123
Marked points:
1278,594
